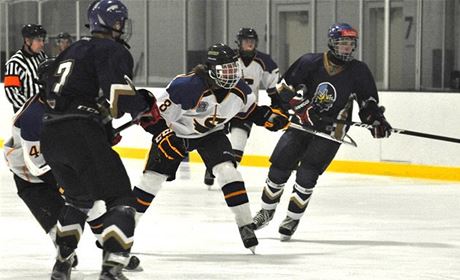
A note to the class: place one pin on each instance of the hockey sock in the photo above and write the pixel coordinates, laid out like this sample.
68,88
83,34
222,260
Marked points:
238,138
118,229
299,201
271,194
52,234
70,226
237,200
149,186
238,155
234,191
96,227
96,219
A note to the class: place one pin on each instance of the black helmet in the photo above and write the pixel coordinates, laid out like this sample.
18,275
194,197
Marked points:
64,35
247,33
33,31
223,66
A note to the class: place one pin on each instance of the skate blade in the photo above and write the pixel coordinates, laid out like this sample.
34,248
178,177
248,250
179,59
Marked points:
284,237
253,249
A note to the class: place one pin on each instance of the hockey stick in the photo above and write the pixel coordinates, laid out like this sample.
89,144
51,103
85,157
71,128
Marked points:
401,131
323,135
136,119
130,83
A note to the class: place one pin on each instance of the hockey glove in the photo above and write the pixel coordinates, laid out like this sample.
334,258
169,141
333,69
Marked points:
142,101
170,146
272,119
276,120
152,115
372,114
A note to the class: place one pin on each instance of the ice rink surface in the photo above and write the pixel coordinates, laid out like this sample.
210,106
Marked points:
356,227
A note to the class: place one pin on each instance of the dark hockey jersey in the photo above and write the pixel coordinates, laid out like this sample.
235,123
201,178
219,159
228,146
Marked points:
88,70
91,64
332,92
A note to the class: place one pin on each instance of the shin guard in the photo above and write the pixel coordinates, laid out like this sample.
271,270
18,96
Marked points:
118,230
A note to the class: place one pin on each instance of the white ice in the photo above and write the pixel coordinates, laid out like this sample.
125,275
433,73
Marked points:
356,227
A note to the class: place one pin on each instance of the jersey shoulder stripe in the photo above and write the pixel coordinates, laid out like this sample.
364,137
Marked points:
242,90
187,90
265,61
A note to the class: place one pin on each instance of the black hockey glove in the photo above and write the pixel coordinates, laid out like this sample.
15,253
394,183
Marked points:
371,113
277,102
170,146
141,102
271,119
277,120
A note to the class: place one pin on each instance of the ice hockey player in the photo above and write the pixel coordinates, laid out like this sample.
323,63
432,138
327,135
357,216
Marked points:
63,41
327,83
33,177
21,69
77,136
195,108
258,68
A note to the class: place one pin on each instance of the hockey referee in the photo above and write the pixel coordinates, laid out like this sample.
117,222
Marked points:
21,69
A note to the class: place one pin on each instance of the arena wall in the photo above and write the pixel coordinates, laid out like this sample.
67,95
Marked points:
399,155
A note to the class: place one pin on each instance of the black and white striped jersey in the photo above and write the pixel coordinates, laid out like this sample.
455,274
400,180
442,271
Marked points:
21,77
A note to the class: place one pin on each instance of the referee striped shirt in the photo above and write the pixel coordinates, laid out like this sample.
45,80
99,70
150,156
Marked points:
21,77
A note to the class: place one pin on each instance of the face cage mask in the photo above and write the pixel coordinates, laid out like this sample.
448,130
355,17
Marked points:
343,56
226,75
127,30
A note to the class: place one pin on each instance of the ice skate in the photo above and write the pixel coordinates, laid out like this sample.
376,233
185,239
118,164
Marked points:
62,269
208,179
113,265
112,273
287,228
262,218
74,261
133,264
248,237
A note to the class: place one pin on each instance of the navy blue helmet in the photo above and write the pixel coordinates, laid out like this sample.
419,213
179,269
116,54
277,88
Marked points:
107,15
339,33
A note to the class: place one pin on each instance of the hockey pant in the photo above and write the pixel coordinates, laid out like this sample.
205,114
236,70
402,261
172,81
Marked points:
216,152
309,156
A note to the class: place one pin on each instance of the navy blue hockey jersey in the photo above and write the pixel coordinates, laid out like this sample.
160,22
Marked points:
332,92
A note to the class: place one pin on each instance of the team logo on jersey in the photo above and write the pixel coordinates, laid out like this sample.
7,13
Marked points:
202,107
325,96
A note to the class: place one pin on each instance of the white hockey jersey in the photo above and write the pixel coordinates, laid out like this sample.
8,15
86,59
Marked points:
192,110
22,152
261,69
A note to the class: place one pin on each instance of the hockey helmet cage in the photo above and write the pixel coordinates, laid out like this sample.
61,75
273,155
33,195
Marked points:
338,33
223,65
